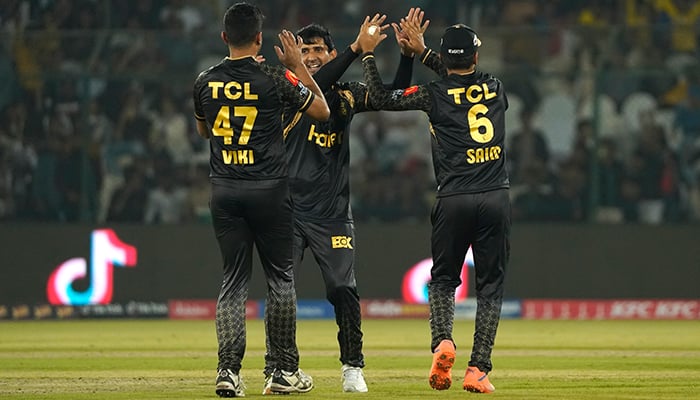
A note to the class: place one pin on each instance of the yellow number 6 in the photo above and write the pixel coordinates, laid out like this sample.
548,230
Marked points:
480,127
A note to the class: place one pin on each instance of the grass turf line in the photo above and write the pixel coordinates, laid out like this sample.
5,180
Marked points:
161,359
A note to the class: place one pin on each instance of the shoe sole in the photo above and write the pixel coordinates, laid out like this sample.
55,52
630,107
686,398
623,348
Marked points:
480,386
270,392
476,389
355,390
287,389
440,378
226,393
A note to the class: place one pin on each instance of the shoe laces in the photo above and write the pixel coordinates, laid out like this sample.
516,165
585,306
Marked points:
235,379
299,375
302,376
351,373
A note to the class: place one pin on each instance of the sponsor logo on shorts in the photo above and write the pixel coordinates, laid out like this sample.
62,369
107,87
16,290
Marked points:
341,242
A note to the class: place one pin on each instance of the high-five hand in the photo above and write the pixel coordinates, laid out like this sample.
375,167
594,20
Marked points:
290,53
376,21
409,32
371,33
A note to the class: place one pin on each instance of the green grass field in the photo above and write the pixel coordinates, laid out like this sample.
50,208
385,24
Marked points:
160,359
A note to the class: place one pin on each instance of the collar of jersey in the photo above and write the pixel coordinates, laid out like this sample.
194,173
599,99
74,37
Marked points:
238,58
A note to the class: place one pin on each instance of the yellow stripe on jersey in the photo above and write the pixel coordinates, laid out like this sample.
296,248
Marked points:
292,124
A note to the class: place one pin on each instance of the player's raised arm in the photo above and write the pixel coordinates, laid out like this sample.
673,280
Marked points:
402,78
290,56
329,74
409,32
412,28
412,98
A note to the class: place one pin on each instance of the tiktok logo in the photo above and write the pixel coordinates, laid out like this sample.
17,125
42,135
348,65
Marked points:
106,251
415,281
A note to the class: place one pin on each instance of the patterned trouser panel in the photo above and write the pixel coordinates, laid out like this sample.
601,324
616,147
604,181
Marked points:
488,314
442,310
280,327
231,330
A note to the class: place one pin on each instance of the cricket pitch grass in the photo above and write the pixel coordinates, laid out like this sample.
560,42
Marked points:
162,359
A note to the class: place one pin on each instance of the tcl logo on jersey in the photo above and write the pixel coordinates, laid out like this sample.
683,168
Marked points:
106,251
472,94
341,242
232,90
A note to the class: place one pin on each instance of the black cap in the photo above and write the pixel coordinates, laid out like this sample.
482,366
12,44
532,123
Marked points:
459,40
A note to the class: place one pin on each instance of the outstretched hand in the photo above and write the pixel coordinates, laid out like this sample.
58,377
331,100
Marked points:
290,53
372,33
377,20
409,32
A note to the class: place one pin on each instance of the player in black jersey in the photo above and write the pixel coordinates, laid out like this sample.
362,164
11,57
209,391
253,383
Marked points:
238,106
466,110
318,155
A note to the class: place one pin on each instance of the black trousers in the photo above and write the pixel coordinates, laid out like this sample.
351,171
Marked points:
332,245
483,221
247,214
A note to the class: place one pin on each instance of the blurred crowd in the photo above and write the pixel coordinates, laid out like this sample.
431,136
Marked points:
604,121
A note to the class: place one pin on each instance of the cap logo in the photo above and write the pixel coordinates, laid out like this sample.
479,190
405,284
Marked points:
455,51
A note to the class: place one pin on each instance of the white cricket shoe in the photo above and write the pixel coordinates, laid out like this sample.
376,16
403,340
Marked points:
353,379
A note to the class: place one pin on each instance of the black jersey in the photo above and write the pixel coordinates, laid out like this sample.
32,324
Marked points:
242,101
467,126
318,155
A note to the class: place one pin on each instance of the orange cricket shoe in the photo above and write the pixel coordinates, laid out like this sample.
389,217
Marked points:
443,360
477,381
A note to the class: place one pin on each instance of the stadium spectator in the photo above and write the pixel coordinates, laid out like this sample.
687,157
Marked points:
129,199
95,51
528,147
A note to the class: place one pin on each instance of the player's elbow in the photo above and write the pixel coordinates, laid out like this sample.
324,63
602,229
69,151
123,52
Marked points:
204,134
377,102
319,111
325,113
202,129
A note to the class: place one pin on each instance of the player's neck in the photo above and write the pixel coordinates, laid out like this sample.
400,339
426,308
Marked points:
467,71
242,52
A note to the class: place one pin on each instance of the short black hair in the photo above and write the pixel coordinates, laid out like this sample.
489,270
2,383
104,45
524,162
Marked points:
458,61
242,22
316,31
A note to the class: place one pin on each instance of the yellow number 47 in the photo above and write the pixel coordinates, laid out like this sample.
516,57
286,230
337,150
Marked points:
222,124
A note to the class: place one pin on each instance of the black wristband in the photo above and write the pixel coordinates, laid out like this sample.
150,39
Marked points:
425,53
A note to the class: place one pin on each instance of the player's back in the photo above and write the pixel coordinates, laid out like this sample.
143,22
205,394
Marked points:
241,103
468,133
